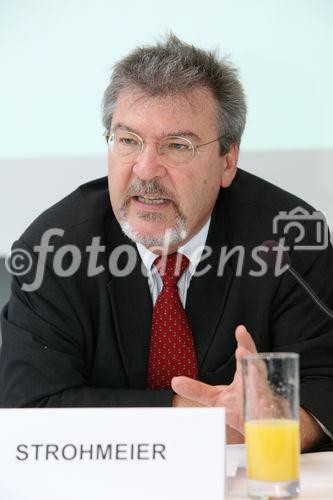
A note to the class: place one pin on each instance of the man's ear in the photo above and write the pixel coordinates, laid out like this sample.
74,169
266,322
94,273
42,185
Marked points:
229,166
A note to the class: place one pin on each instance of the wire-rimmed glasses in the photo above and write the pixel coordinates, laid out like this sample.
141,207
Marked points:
175,150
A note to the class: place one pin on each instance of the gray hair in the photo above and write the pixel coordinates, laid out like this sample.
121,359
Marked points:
174,67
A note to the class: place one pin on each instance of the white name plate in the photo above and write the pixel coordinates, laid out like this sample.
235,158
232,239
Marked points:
116,454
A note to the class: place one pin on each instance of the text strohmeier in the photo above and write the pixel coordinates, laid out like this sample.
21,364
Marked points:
91,451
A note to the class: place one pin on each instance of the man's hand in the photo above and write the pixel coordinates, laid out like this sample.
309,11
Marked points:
228,396
180,402
190,392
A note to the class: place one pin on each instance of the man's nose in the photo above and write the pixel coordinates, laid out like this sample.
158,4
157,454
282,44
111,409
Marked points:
149,164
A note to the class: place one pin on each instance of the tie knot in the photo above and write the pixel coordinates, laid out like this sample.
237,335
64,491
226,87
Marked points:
171,267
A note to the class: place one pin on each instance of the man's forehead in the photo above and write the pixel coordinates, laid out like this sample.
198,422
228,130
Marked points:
181,110
197,97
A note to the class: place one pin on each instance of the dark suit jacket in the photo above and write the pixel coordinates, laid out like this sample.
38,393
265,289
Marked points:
83,341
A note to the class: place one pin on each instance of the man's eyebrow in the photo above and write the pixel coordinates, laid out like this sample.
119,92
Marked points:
124,127
182,133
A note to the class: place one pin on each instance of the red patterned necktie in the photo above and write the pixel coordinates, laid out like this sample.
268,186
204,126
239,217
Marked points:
172,350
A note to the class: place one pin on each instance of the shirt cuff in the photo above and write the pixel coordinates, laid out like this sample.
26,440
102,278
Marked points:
327,432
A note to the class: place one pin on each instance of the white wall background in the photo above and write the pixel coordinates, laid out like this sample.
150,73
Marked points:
55,60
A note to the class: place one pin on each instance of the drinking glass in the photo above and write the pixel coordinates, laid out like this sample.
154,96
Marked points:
271,414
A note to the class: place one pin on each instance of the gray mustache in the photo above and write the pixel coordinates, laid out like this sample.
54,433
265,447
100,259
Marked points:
152,187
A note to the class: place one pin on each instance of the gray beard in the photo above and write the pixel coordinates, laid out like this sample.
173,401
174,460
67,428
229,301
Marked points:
168,237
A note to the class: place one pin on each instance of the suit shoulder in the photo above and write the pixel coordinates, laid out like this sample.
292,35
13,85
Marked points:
254,191
89,204
257,210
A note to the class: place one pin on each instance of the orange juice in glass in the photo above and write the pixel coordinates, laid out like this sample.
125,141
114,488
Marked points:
271,404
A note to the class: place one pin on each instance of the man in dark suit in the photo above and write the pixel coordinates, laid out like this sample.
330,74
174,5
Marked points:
83,323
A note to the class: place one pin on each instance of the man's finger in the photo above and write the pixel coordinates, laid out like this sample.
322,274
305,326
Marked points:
195,390
245,345
245,340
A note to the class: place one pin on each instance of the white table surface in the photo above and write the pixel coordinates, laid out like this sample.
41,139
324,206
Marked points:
316,478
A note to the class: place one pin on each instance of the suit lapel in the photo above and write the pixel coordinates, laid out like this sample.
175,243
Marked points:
208,292
132,312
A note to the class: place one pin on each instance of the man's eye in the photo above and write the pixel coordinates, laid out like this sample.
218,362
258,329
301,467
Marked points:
127,142
177,146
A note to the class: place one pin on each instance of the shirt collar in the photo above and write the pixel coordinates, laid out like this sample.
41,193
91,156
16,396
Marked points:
192,249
